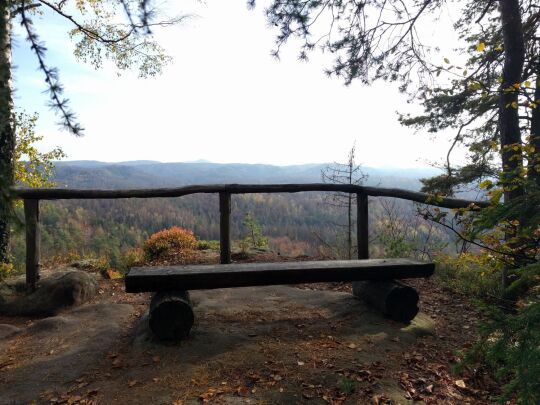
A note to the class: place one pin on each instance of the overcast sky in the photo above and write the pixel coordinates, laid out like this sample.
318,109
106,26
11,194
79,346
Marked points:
223,99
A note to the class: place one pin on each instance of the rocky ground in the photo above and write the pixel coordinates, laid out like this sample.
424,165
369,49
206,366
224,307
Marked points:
312,344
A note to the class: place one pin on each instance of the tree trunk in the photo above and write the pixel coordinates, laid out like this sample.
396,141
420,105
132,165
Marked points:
349,228
514,57
7,132
349,224
534,156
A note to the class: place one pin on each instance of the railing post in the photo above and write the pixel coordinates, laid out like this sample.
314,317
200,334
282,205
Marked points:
31,215
224,227
362,227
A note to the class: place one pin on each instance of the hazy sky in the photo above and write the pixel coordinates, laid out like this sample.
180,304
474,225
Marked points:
224,99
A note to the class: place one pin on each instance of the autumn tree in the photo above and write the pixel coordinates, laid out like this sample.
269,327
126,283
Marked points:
119,31
344,173
32,167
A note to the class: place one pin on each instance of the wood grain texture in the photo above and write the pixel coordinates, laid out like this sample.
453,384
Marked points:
202,277
54,194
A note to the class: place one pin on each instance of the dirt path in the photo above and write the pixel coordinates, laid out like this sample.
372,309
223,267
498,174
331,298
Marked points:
274,345
269,345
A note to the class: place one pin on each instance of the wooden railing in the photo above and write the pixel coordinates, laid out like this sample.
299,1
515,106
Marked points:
32,196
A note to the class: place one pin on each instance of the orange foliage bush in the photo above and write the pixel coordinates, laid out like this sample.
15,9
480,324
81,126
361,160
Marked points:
174,241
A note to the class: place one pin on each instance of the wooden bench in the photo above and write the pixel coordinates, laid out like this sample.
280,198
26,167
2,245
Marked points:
171,313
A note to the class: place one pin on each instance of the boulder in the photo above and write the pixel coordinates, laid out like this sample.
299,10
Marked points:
59,290
7,331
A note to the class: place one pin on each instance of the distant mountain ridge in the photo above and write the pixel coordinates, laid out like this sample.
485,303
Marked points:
146,173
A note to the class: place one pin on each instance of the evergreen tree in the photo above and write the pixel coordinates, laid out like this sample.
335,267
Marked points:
344,173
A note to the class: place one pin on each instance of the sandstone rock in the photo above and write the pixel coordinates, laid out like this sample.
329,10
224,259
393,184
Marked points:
59,290
87,334
7,331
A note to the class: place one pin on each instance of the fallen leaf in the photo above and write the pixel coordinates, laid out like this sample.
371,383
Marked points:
207,396
243,391
73,399
111,274
460,383
308,395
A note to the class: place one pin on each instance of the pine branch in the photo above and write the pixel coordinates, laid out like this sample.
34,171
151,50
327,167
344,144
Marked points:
460,235
55,88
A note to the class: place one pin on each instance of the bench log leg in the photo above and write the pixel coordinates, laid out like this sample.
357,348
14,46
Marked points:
171,315
394,299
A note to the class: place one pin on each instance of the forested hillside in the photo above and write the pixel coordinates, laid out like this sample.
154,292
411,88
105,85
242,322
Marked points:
93,174
294,223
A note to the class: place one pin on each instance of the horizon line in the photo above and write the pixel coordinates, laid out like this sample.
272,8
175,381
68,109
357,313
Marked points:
205,161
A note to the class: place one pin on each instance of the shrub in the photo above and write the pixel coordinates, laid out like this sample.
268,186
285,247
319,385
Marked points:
203,245
208,245
62,258
5,270
174,241
130,258
475,275
509,341
510,345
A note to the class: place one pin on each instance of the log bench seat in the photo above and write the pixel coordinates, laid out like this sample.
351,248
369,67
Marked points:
171,314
